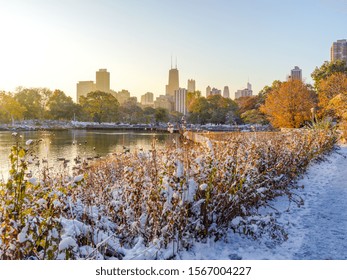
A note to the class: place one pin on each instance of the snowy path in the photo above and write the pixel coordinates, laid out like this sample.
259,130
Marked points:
316,230
326,219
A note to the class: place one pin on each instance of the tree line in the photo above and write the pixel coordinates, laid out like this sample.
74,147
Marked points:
97,106
290,104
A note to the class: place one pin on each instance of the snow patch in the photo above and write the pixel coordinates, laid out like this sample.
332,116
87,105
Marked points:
78,178
67,243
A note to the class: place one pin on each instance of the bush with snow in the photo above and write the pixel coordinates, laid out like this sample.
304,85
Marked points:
154,203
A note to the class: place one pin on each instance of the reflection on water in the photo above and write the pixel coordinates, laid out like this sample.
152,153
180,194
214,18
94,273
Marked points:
70,144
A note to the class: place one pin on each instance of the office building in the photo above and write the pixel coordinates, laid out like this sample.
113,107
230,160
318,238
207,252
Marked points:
226,93
147,99
216,91
191,85
102,83
83,88
208,91
164,101
244,92
122,96
295,74
213,91
338,51
173,82
103,80
181,101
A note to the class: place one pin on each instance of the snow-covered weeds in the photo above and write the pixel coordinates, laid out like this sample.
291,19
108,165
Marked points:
150,205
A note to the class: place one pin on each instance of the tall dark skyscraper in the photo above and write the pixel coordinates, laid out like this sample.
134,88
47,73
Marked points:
173,81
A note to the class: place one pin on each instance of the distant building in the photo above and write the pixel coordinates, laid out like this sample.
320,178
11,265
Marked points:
102,83
83,88
164,101
191,85
147,99
122,96
216,91
181,101
338,51
226,93
103,80
173,82
213,91
244,92
132,100
295,74
208,91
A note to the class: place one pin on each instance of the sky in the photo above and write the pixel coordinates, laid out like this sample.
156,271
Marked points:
55,44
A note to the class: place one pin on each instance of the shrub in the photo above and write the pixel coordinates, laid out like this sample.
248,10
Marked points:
161,201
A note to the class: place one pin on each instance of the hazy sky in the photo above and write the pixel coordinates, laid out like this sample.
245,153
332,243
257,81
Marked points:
57,43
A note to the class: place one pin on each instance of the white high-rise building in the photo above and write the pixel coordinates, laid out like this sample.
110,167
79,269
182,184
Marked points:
249,86
191,85
226,93
181,100
244,92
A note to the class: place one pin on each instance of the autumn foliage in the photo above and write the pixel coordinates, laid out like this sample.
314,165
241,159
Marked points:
289,105
331,85
329,88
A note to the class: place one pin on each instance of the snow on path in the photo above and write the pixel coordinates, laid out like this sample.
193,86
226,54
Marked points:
316,230
325,222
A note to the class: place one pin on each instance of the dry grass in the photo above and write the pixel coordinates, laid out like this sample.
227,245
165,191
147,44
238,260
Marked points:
172,197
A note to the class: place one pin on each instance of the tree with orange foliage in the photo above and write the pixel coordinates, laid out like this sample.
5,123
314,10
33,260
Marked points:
328,89
337,105
289,105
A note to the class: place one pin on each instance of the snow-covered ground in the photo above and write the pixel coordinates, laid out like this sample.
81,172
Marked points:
316,230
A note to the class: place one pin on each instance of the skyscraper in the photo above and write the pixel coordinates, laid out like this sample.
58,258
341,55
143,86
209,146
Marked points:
164,101
295,74
122,96
103,80
173,82
215,91
83,88
208,91
226,93
338,51
181,101
191,85
244,92
147,99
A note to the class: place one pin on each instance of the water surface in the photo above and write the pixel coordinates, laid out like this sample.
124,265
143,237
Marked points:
71,144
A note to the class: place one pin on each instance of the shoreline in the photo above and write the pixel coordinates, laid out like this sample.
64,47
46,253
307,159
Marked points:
34,125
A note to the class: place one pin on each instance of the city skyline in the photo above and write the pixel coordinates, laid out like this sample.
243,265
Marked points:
55,44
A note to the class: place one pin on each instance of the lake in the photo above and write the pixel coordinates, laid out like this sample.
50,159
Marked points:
70,144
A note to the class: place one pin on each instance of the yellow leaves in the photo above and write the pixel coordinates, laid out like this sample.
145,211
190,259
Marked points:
339,105
289,105
21,153
335,86
10,108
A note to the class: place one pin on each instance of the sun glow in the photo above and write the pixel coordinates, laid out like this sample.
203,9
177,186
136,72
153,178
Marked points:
23,48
